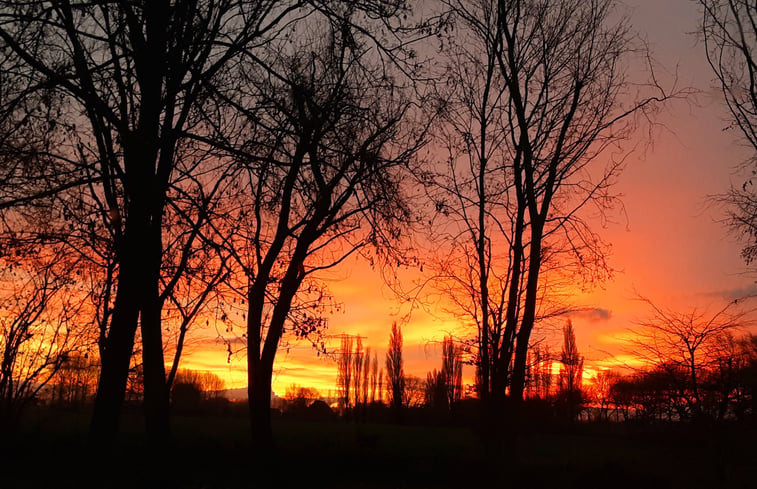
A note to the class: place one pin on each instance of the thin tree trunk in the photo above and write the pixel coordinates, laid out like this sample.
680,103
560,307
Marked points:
156,401
529,318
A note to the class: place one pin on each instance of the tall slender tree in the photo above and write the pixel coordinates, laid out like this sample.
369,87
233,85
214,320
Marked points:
344,372
358,369
395,370
570,380
537,95
452,366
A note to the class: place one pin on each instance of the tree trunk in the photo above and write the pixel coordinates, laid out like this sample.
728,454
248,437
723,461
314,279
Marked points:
259,393
529,318
264,461
115,361
156,405
138,278
260,363
156,402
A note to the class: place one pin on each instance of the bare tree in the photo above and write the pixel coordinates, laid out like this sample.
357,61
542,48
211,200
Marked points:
540,372
729,28
208,383
323,178
374,381
76,381
469,189
724,393
746,399
344,372
723,369
299,398
395,370
130,83
435,390
365,387
570,380
380,391
42,325
191,387
601,390
358,372
539,94
414,393
444,387
684,345
452,366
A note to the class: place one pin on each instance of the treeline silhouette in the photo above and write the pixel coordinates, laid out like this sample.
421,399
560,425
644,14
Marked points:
725,388
169,165
720,385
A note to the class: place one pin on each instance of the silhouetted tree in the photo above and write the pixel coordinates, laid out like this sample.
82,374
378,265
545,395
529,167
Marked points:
329,140
414,393
570,392
719,382
344,372
366,377
656,394
358,370
191,387
76,380
208,383
663,391
380,392
746,398
540,378
621,396
684,345
129,85
135,383
41,327
374,381
538,93
729,28
395,370
298,399
444,387
602,384
452,366
355,382
435,390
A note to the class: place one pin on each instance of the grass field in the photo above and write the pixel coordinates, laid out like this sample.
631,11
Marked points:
50,451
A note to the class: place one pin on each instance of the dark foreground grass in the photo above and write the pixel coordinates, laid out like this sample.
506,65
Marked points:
50,451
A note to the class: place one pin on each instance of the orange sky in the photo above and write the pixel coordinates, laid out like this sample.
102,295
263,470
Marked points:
671,249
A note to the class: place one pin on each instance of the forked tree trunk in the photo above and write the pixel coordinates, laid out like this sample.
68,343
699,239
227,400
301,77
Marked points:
137,303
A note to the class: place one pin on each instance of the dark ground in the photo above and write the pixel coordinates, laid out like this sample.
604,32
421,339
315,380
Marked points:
50,451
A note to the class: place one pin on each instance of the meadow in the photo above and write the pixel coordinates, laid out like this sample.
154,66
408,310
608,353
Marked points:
50,449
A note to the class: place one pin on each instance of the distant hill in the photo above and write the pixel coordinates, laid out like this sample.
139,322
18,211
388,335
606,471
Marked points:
239,394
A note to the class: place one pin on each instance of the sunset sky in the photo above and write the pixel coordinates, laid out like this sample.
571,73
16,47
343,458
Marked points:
670,248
